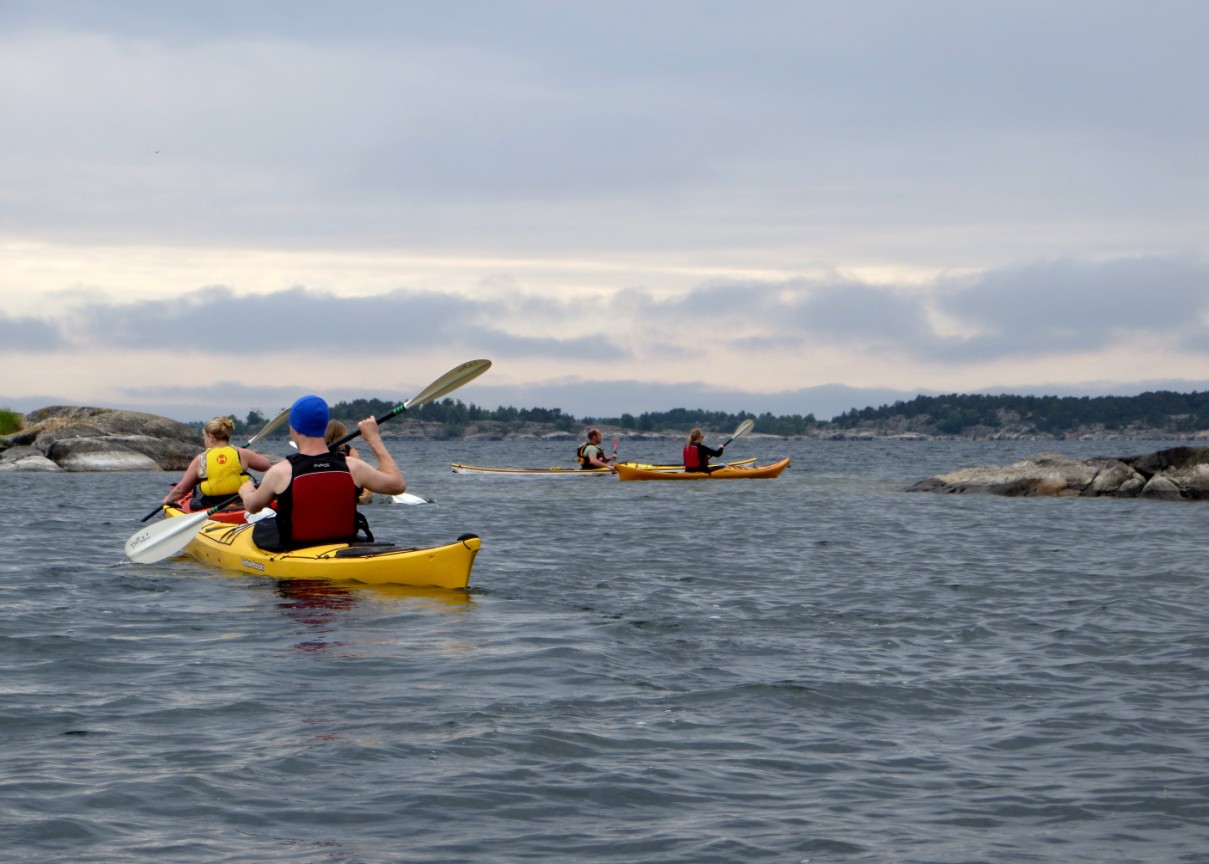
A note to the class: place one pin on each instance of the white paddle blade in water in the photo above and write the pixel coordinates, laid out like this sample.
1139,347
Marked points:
408,498
163,539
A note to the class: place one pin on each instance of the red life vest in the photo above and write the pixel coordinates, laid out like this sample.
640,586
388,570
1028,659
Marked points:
692,457
320,504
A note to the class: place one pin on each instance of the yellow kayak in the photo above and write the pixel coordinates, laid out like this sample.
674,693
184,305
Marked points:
730,472
229,546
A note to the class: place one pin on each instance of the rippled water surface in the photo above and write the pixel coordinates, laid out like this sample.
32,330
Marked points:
817,668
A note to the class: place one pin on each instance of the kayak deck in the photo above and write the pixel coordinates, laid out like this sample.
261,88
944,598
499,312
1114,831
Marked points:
229,546
730,472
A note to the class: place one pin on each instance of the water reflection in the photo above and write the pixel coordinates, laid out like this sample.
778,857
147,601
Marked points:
318,604
321,596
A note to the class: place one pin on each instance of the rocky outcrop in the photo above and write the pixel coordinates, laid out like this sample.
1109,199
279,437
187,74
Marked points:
1177,473
73,438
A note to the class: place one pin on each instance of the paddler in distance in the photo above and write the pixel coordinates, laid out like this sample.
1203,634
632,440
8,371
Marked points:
697,453
316,489
591,454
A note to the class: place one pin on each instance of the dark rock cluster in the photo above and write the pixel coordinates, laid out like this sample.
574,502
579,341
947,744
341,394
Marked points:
74,438
1176,473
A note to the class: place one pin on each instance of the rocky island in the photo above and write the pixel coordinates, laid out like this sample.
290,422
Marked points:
1172,474
73,438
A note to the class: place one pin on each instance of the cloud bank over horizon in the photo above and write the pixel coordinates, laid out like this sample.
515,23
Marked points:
1048,310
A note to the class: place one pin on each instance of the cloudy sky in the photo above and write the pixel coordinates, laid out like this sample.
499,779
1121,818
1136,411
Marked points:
211,207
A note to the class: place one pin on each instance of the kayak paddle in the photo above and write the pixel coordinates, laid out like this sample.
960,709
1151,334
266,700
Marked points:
269,427
164,539
742,429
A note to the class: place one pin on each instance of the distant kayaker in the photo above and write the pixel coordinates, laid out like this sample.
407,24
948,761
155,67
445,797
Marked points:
591,454
217,472
697,454
335,431
316,489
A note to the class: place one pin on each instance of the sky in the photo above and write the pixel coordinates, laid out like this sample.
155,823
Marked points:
770,205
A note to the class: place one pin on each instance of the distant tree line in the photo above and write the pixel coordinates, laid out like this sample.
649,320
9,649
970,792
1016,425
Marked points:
454,416
953,414
685,419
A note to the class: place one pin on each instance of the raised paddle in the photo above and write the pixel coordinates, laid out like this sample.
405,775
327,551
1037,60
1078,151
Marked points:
447,383
164,539
268,427
742,429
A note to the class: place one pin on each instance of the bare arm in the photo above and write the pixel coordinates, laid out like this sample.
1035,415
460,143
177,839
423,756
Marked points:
185,484
253,460
386,478
256,498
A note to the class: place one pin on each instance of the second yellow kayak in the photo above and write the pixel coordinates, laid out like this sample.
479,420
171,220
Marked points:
730,472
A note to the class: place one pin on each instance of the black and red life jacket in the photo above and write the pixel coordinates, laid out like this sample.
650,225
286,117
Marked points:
320,504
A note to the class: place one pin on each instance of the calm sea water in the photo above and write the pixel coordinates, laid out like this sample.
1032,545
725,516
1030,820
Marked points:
816,668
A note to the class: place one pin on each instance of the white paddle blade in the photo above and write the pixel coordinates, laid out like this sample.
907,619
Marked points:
163,539
273,424
743,428
408,498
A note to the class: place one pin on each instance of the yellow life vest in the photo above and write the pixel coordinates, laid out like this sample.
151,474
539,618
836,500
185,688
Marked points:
220,472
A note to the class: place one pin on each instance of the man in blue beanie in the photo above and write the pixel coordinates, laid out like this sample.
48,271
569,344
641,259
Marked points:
316,489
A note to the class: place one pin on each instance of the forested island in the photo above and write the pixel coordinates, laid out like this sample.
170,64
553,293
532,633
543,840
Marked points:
1162,414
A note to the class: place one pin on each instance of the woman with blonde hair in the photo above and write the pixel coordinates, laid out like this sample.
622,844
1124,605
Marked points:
697,454
217,472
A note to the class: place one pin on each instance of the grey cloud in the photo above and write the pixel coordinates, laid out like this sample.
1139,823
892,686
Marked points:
1049,307
588,349
726,297
795,311
1069,305
217,320
853,311
24,333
